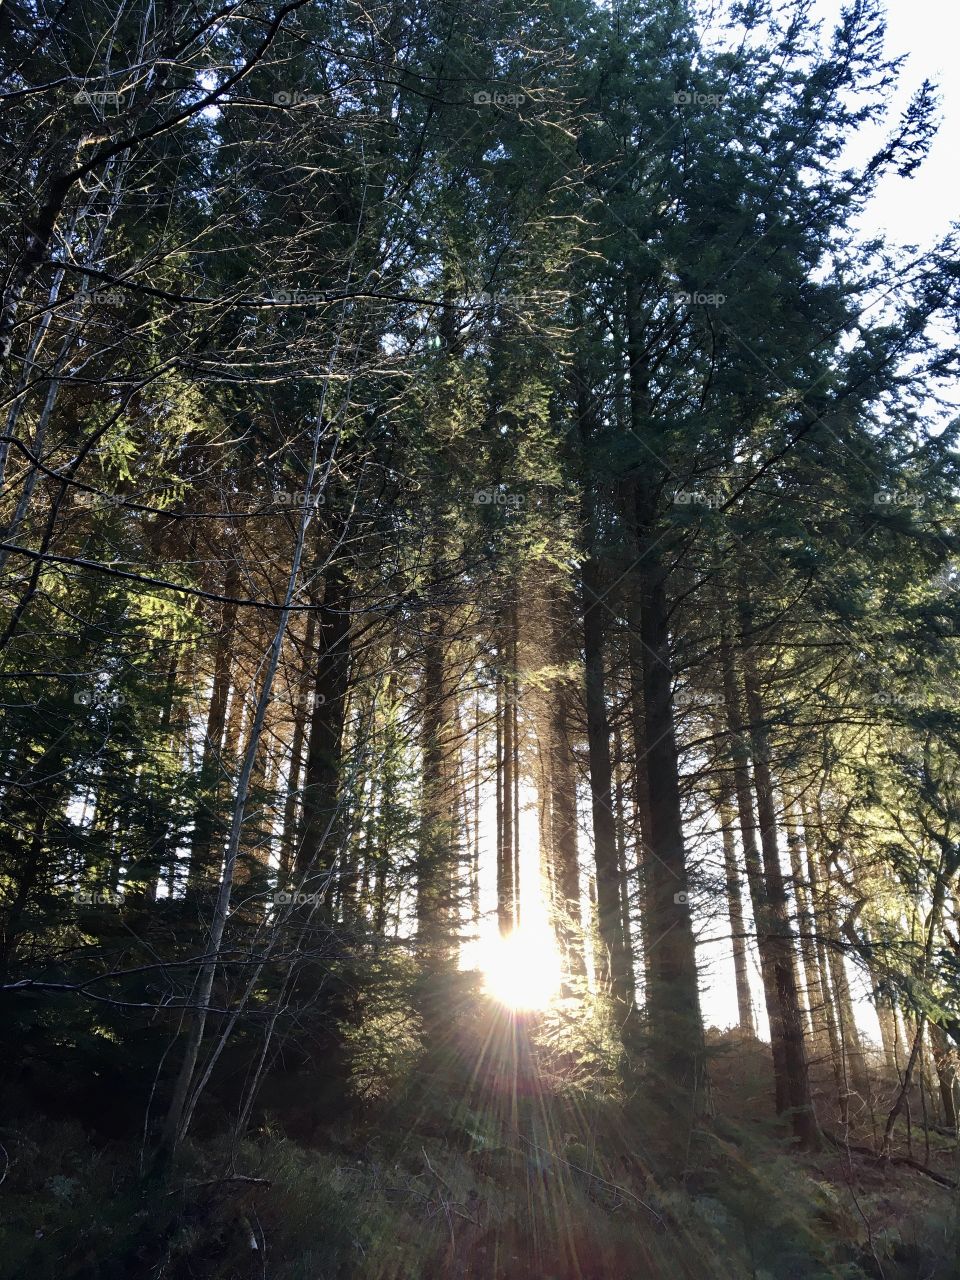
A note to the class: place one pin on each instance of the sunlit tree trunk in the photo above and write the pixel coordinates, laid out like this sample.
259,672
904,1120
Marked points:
566,863
738,929
475,817
945,1062
813,989
774,941
855,1067
387,816
641,786
300,699
819,910
506,857
201,868
621,826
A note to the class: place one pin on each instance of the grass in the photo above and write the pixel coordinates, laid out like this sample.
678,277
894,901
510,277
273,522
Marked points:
482,1162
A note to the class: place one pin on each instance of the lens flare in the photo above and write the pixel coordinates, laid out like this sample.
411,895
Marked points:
522,970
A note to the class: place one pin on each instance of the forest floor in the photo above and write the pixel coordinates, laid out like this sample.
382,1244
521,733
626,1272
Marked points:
488,1165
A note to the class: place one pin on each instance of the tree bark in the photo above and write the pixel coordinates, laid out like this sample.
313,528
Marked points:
945,1061
506,861
855,1067
566,860
673,996
318,845
201,869
612,961
620,816
820,1034
641,790
774,942
291,808
437,854
738,929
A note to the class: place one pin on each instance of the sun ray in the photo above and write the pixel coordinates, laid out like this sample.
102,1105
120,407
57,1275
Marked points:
522,969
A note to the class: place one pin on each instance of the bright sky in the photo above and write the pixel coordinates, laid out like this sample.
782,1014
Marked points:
919,209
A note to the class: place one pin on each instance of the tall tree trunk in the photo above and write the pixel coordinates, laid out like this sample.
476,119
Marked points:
475,817
641,788
187,1088
517,895
318,845
613,962
143,875
945,1061
777,919
621,825
820,1034
855,1066
738,929
566,862
768,893
887,1018
503,915
300,699
386,824
506,861
674,999
253,864
437,853
883,1005
202,864
673,996
818,925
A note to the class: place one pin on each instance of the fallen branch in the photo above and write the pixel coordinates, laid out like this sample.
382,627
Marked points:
940,1178
218,1182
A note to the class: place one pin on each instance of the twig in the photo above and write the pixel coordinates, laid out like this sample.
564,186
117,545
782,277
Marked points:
217,1182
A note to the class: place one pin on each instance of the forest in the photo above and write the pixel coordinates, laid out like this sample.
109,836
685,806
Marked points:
479,613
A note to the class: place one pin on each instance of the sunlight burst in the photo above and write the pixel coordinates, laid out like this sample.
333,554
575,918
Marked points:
522,970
